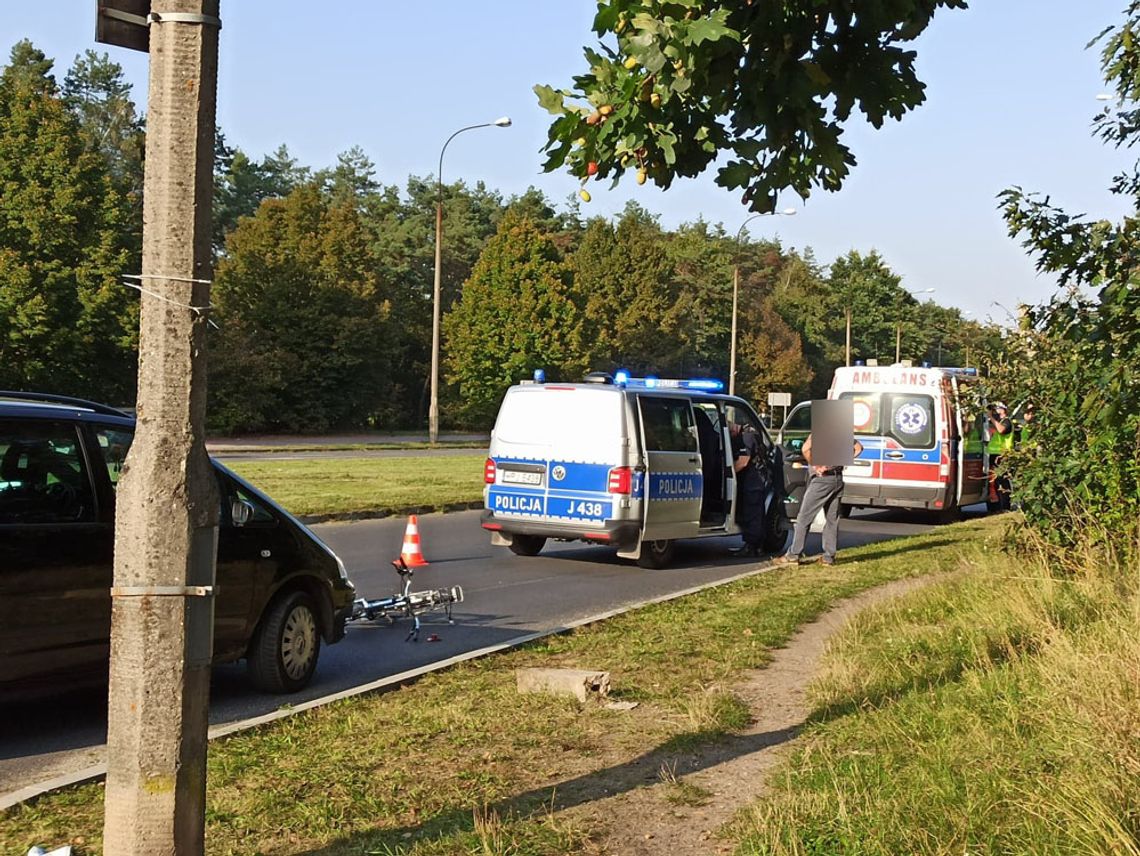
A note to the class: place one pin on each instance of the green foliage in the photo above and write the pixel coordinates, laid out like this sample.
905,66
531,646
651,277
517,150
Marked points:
624,279
675,85
1078,358
517,313
241,184
66,324
306,342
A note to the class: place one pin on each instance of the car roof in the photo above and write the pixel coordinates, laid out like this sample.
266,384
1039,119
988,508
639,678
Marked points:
30,405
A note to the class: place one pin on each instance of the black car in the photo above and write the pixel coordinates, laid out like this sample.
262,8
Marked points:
279,590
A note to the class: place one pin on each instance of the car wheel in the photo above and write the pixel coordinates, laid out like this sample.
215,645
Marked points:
286,646
527,545
656,554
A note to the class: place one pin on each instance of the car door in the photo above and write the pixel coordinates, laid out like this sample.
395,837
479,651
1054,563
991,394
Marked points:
56,548
673,479
251,548
792,436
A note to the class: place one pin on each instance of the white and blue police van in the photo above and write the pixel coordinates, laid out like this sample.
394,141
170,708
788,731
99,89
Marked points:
635,463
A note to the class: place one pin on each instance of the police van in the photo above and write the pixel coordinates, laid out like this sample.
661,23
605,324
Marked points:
636,463
923,439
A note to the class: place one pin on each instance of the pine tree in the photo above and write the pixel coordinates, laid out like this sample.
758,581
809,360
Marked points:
516,314
66,323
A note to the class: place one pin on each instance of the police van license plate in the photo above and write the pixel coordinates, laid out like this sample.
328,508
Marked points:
521,477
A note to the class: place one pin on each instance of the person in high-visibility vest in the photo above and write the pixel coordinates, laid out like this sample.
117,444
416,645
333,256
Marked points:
1000,442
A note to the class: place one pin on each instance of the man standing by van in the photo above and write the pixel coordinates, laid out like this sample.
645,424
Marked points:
824,488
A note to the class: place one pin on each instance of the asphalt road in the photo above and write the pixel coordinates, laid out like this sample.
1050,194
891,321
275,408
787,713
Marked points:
506,597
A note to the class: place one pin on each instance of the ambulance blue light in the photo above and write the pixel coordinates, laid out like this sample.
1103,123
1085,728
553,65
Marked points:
621,377
650,382
539,376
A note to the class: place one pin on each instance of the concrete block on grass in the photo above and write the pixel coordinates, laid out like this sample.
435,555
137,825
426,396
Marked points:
580,683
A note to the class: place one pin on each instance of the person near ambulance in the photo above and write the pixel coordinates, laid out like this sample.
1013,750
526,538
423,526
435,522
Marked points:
824,489
1000,443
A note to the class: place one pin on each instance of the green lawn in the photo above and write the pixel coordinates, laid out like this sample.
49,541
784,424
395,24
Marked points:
396,485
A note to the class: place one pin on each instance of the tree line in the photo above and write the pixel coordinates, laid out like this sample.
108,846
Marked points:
323,281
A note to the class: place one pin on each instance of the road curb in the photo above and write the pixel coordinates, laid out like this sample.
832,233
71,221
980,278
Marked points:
380,513
98,771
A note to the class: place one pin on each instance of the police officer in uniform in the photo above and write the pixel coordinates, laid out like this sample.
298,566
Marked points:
747,461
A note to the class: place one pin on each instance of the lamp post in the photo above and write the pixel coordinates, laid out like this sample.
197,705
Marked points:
898,324
787,212
433,408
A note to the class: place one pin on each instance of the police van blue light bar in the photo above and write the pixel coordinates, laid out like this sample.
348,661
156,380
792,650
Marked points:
702,384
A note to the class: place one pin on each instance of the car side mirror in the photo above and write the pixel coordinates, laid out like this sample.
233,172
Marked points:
241,512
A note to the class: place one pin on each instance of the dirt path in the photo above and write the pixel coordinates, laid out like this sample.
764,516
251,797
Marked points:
641,821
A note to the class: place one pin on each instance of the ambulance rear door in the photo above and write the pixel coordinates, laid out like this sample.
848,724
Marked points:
673,481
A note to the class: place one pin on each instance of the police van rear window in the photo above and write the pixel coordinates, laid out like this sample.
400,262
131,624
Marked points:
570,423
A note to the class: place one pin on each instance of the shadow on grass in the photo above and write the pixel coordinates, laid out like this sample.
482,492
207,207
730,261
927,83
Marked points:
891,548
643,770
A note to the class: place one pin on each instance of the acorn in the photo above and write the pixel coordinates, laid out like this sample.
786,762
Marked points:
641,176
606,109
655,100
591,168
593,118
585,194
630,62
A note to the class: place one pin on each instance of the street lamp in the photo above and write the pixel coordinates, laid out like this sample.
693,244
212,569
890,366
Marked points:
898,324
787,212
433,408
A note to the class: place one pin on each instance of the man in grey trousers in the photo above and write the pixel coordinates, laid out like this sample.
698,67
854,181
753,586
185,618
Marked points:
824,488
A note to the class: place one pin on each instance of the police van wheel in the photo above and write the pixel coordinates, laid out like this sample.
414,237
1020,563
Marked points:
776,534
656,554
527,545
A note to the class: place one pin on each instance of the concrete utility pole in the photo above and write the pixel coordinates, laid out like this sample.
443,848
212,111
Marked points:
167,506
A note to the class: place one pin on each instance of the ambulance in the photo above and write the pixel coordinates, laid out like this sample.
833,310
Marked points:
923,437
634,463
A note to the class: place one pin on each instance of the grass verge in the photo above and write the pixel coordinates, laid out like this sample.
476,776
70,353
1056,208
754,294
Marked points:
460,762
327,486
997,712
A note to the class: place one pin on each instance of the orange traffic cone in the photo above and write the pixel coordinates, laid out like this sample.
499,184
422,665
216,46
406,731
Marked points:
411,553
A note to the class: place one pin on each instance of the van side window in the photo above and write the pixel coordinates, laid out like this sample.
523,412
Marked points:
668,425
43,475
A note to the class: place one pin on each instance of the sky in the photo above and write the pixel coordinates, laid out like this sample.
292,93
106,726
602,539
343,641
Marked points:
1010,98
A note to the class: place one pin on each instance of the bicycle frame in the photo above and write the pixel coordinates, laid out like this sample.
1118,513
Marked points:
407,604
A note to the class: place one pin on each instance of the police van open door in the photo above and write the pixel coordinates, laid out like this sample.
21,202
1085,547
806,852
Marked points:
673,482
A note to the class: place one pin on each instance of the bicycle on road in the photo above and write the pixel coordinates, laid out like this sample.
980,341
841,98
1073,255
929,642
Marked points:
408,603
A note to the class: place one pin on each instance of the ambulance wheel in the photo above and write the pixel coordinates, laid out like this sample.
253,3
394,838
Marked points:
527,545
656,554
